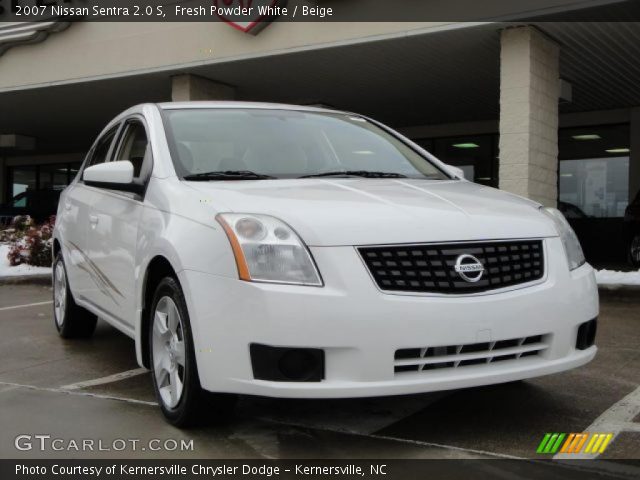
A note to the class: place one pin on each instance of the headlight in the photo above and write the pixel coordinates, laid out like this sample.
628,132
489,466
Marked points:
268,250
572,248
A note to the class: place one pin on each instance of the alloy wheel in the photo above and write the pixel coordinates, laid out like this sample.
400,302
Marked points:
59,293
168,352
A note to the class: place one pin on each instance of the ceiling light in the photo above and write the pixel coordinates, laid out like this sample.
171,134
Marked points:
618,150
588,136
466,145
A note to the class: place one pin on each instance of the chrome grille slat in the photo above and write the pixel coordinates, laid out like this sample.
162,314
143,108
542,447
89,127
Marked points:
429,268
454,356
534,347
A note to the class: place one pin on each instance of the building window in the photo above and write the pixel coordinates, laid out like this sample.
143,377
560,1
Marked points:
21,180
594,171
54,177
39,177
476,155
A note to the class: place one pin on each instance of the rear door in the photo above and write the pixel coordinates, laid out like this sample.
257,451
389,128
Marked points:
113,231
74,224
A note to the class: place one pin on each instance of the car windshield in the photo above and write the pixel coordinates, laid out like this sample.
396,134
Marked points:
257,144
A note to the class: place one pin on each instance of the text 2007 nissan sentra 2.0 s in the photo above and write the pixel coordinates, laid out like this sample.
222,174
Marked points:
289,251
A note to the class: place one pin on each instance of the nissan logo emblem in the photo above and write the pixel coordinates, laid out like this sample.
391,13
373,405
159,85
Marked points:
469,268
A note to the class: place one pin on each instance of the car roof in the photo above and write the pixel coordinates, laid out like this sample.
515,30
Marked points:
244,105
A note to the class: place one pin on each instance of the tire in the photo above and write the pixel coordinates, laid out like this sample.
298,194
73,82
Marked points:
173,363
634,251
71,320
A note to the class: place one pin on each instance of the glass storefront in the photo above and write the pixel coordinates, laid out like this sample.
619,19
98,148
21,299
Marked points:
476,155
39,177
53,177
594,171
593,189
22,179
593,167
35,190
593,180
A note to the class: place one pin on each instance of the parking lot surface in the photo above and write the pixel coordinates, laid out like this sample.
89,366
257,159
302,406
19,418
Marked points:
93,389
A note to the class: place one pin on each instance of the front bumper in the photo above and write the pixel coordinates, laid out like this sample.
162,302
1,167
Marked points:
360,328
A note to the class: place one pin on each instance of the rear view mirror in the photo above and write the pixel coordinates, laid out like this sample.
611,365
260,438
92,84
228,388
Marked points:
112,175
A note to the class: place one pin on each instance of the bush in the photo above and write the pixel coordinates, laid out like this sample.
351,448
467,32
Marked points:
17,228
29,243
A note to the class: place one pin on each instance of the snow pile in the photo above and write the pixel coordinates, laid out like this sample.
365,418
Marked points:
611,277
7,270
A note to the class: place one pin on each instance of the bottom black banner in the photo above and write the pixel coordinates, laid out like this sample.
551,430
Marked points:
290,469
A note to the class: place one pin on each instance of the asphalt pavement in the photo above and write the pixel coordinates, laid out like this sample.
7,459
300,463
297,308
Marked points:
78,390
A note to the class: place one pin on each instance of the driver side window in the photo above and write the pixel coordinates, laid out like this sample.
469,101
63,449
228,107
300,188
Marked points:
101,150
135,148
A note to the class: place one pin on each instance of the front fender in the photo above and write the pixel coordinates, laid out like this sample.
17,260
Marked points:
186,245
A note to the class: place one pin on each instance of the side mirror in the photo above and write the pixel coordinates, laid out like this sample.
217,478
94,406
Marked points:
112,175
458,172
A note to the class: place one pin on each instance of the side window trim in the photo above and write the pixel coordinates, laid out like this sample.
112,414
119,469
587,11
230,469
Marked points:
115,147
115,129
119,139
120,144
114,142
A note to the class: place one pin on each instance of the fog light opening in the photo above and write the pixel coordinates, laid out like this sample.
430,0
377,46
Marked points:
587,334
298,365
287,364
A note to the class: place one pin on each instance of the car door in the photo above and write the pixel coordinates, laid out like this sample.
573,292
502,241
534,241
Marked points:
113,230
74,224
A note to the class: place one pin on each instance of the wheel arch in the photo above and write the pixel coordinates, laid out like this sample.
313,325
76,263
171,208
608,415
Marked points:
56,248
158,268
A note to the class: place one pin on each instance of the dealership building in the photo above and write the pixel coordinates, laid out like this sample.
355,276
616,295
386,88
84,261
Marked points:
545,109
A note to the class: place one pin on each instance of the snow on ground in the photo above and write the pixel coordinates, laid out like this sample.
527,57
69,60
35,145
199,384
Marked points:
611,277
21,270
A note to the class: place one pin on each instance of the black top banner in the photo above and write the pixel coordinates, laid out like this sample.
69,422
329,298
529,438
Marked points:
247,14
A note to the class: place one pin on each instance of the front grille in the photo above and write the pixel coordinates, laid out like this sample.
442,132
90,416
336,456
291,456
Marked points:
456,356
430,268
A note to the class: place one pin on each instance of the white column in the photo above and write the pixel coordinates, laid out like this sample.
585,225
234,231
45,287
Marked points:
192,87
529,94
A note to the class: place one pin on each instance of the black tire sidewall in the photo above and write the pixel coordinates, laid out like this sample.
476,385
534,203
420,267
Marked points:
183,413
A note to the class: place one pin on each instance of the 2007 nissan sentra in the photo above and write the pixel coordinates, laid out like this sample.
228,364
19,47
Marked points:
289,251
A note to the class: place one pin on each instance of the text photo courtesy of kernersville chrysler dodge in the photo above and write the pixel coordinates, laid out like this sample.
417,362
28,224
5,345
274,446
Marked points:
301,252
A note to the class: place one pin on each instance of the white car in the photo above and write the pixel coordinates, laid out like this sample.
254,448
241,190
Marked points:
288,251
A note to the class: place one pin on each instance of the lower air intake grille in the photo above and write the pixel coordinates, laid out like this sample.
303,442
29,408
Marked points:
431,268
456,356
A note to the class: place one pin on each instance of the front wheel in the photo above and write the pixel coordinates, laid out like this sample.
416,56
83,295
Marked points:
175,373
634,251
71,320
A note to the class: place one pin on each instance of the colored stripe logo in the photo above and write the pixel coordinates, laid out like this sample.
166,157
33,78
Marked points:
592,443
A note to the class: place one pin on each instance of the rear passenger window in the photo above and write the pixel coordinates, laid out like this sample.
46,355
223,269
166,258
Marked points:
101,150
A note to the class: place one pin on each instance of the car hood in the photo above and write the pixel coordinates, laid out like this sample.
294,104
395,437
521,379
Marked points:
332,212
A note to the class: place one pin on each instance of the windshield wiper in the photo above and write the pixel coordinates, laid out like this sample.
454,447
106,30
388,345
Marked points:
356,173
227,175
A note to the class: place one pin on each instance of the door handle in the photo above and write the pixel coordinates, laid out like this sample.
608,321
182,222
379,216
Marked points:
93,219
67,207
